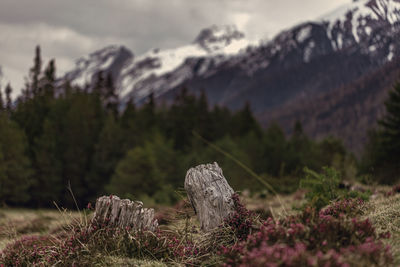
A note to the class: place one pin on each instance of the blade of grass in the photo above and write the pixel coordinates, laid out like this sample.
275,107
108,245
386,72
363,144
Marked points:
238,162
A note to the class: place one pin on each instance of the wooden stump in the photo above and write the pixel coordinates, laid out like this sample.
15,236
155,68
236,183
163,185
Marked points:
124,213
210,195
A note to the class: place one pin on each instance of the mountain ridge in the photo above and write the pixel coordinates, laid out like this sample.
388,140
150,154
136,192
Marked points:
309,59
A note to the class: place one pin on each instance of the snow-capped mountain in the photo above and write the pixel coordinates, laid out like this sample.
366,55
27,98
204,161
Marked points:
111,59
366,26
309,59
363,22
159,70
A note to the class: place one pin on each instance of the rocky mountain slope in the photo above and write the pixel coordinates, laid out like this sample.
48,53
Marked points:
301,65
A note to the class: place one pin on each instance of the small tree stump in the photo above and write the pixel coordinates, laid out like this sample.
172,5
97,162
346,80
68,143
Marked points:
124,213
210,195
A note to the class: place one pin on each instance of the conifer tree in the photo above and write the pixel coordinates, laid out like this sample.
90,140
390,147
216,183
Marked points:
49,79
128,114
148,114
182,119
1,100
147,170
8,98
35,71
108,151
111,97
83,123
301,151
382,155
275,150
1,93
204,122
26,92
31,112
48,165
221,122
391,123
14,164
129,126
244,122
99,84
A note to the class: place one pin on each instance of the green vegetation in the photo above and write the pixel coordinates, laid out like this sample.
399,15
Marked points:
382,153
349,232
14,164
58,136
323,188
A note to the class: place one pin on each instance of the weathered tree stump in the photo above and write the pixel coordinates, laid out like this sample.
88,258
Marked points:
124,213
210,195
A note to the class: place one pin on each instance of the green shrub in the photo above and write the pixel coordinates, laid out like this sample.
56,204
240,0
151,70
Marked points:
357,194
322,188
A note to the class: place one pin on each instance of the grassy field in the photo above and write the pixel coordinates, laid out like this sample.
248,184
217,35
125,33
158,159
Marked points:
16,224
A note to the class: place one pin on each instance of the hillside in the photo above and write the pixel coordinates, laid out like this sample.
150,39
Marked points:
347,112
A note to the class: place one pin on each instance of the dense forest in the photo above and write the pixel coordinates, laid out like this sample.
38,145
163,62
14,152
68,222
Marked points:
57,138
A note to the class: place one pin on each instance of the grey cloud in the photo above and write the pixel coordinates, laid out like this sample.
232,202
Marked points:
67,30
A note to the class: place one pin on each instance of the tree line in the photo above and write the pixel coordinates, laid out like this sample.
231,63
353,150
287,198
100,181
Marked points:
58,137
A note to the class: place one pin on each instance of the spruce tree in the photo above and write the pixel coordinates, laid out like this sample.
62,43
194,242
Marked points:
48,186
148,170
182,119
129,126
382,155
14,164
35,71
49,79
99,84
110,96
8,98
128,114
301,151
203,118
83,124
108,151
147,116
275,150
1,100
244,122
391,123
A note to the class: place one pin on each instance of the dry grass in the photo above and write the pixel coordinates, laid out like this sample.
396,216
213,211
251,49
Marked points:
128,262
15,223
384,213
278,206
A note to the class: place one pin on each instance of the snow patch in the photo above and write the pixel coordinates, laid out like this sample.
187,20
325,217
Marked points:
390,56
368,30
372,48
359,11
308,51
339,41
304,33
107,63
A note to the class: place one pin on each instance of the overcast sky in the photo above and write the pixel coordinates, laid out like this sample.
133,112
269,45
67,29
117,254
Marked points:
67,30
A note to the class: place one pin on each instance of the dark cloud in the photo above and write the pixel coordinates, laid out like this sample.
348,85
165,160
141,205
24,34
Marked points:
67,30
